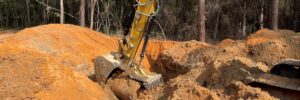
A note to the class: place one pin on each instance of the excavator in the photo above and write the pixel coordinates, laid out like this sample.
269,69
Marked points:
285,74
124,59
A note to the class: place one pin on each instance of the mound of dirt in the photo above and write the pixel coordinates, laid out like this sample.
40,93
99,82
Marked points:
69,45
238,90
39,62
270,47
223,68
26,74
54,62
180,88
221,74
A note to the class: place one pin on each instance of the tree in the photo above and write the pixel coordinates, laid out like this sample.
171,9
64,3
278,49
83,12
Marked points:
201,20
274,15
93,3
216,26
62,17
46,12
244,20
296,15
82,13
28,12
261,17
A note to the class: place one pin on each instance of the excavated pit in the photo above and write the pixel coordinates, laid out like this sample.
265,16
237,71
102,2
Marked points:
223,68
56,61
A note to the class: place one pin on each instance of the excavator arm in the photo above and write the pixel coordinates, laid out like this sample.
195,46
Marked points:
128,46
125,58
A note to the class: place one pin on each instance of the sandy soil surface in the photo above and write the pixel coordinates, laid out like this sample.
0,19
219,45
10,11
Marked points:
56,61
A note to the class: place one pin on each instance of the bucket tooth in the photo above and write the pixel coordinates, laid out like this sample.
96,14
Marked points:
149,81
153,82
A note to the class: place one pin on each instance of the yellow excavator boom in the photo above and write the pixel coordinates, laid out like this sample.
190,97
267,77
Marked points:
124,58
137,32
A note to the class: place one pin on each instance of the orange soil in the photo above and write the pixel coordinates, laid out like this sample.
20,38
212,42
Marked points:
61,54
53,62
225,43
26,74
155,47
220,68
42,60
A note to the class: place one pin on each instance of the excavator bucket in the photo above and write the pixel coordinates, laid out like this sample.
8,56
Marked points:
284,74
104,66
279,81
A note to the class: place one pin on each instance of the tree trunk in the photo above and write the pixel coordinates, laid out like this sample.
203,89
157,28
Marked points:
244,26
93,3
296,15
28,12
261,17
82,13
46,12
6,17
216,28
202,20
1,19
274,15
62,17
244,21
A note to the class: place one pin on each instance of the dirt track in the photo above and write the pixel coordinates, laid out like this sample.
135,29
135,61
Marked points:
54,62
